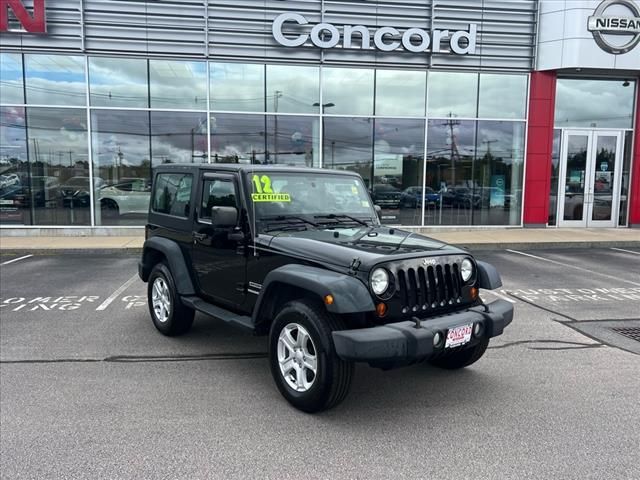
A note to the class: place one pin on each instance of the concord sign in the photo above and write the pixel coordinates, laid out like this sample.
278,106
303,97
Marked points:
386,39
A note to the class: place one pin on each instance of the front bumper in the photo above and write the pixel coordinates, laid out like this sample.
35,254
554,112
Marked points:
404,342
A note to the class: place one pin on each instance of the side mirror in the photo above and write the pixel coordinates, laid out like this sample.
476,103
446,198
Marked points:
378,210
224,216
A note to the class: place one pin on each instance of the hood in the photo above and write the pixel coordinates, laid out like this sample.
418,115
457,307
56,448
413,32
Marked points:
371,245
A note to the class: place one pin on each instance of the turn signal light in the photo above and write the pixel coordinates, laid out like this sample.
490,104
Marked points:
474,293
328,299
381,309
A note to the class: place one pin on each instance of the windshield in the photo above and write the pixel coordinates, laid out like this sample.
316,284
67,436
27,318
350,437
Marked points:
316,197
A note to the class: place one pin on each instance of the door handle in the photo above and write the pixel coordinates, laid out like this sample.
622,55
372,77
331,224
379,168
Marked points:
199,236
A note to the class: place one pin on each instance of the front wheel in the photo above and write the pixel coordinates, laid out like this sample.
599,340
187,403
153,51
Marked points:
304,365
170,316
462,358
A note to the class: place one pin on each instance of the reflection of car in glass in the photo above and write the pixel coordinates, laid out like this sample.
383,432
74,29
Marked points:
464,197
9,179
76,191
386,196
412,197
42,189
131,196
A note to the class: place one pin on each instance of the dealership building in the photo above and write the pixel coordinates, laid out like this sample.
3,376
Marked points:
500,113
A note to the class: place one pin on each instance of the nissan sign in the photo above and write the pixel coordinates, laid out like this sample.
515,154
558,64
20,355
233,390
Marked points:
386,39
601,24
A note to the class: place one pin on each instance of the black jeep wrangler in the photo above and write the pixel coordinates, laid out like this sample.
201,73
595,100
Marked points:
300,255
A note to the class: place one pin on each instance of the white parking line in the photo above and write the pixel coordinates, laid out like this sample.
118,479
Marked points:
503,297
15,260
568,265
625,251
117,293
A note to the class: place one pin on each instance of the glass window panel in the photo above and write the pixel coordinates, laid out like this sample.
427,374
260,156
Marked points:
237,87
293,140
594,103
59,166
347,91
451,150
502,96
626,169
11,85
452,94
348,145
178,137
176,84
398,154
497,173
118,82
400,93
120,150
555,175
293,89
55,80
15,194
238,138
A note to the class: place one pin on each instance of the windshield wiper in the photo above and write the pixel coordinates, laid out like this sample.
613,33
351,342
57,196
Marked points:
333,216
285,218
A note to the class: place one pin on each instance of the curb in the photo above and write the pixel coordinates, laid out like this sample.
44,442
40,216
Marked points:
468,246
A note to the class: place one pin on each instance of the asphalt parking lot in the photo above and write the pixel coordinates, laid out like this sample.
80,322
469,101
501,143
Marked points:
89,389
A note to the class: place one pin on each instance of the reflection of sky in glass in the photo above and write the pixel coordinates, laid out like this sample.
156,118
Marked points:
118,82
178,137
292,89
502,96
294,139
55,80
349,89
594,103
400,93
11,78
237,138
452,93
348,143
57,136
177,84
237,87
12,134
119,138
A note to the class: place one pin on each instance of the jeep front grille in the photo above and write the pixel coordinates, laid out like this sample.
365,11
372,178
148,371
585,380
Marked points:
431,287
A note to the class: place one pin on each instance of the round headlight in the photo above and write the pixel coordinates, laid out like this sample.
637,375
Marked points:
466,269
379,281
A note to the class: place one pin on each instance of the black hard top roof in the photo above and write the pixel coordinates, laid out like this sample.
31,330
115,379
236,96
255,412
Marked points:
237,167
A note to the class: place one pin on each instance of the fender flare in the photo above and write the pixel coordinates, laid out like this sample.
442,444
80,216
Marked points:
488,276
350,294
175,258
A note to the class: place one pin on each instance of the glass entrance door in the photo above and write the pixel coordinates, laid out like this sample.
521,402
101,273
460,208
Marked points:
589,178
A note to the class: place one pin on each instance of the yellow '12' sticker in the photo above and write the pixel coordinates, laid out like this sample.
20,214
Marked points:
271,197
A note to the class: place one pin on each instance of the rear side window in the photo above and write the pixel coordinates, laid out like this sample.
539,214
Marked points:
172,194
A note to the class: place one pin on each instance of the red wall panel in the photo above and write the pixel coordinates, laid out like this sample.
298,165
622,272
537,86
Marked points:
634,193
542,99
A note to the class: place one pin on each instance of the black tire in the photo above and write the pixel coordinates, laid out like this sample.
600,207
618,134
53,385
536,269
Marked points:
109,207
333,376
179,317
462,358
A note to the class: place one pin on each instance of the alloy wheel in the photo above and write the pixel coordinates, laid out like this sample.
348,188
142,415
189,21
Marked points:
297,357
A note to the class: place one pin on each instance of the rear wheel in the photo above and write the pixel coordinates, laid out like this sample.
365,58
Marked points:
302,356
109,207
170,316
462,358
